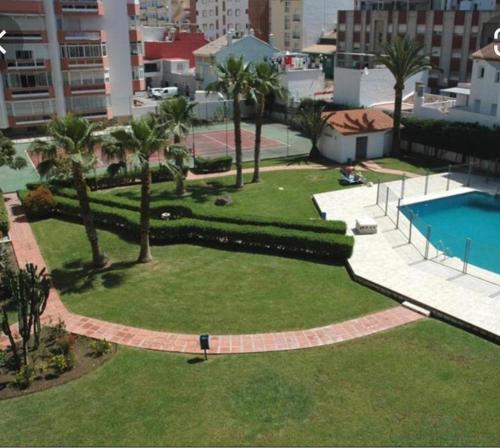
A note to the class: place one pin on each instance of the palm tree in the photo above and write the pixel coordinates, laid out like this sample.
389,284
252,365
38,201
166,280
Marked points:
234,82
403,58
177,113
313,121
112,149
8,154
264,82
144,137
76,138
179,154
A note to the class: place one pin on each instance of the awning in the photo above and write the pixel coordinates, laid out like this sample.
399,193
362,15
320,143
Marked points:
320,49
457,90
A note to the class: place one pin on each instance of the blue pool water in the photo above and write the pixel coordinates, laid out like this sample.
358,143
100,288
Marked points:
456,218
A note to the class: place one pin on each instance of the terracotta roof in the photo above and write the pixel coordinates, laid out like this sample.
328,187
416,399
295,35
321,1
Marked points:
320,49
487,53
212,47
359,121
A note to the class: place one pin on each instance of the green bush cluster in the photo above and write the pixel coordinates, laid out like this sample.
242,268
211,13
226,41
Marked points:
216,165
179,210
468,139
259,238
4,218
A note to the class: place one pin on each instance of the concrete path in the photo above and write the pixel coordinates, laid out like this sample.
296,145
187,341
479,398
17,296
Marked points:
27,251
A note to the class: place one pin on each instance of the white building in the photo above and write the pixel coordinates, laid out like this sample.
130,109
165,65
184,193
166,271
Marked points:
78,56
369,85
297,24
356,135
477,103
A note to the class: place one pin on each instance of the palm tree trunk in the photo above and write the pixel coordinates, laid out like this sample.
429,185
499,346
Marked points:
99,260
258,139
145,252
237,141
396,134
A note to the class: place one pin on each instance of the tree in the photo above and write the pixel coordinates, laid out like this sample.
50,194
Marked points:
27,291
234,82
403,58
265,81
8,155
75,138
114,150
144,137
179,154
177,114
313,120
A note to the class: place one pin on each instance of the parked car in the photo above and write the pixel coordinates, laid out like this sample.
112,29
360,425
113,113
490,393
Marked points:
160,93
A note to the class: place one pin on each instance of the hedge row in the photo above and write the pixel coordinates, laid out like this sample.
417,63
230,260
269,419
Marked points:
215,165
179,210
265,239
4,218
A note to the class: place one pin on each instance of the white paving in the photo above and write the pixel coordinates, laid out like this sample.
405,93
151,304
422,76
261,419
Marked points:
387,258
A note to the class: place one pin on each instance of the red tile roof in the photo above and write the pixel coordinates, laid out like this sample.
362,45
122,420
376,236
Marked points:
488,53
181,48
359,121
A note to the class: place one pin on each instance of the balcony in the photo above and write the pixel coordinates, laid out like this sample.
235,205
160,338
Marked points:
87,7
21,7
137,60
87,88
26,37
86,62
15,93
82,36
25,64
135,35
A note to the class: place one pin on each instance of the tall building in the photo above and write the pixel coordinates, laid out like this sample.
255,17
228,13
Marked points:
423,5
448,37
78,56
216,17
296,24
164,12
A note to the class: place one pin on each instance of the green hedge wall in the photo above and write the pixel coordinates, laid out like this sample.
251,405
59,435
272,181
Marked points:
179,210
258,238
215,165
4,219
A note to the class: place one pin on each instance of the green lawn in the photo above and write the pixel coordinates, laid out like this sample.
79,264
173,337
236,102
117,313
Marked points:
196,289
281,193
424,384
418,164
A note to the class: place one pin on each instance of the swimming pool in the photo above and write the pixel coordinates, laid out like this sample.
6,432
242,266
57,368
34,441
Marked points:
455,218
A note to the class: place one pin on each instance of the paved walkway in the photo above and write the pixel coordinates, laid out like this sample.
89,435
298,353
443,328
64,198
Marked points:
27,250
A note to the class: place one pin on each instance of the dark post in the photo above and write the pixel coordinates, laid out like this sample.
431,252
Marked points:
428,241
205,344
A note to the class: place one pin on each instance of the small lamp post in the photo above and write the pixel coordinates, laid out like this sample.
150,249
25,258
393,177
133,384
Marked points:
205,344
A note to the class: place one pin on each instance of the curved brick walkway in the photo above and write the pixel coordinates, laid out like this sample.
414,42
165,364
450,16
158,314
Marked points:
27,251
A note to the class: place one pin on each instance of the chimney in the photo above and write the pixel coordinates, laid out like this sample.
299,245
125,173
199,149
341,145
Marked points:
419,95
272,41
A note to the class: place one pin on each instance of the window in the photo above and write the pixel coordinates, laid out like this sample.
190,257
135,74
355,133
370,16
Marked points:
493,109
24,54
497,77
481,73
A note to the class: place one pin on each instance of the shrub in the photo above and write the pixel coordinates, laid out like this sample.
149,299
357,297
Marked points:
99,347
39,203
25,377
63,363
216,165
57,331
4,218
65,344
3,358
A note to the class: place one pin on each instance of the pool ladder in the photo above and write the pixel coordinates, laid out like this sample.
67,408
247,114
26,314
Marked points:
443,250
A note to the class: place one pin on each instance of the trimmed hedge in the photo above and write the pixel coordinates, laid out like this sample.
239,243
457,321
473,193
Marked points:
215,165
179,210
4,218
259,238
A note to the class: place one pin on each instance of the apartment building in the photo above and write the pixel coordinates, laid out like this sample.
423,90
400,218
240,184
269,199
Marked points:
423,5
164,12
296,24
62,56
448,37
216,17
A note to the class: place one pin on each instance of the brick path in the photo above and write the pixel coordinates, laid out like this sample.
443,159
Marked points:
27,250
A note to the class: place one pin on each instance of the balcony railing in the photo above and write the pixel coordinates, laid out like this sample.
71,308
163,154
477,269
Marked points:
22,6
24,64
81,6
83,36
29,36
29,92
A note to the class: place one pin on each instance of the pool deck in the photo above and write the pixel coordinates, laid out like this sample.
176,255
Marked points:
387,260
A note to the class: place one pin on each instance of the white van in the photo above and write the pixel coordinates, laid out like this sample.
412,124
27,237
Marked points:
160,93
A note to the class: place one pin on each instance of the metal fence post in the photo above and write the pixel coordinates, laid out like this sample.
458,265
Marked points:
449,178
399,211
386,200
426,182
468,243
412,216
378,191
403,182
469,173
428,241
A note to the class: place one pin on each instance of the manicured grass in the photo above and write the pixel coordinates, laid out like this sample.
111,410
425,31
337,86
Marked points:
281,193
424,384
417,164
196,289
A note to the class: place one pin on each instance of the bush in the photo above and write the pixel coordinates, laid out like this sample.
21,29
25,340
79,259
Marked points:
4,218
65,344
25,377
63,363
57,331
216,165
39,203
260,238
99,348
